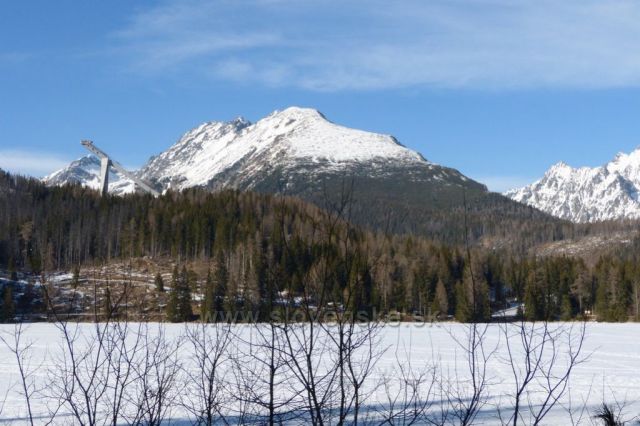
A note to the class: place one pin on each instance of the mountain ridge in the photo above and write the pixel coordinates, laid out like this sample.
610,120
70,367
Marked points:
284,139
299,152
587,194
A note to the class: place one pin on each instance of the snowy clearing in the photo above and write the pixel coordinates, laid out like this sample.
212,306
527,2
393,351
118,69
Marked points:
609,374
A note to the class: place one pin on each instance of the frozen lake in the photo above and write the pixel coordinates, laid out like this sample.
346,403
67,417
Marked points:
610,373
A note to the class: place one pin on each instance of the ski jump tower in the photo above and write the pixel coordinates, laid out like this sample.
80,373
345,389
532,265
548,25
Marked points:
106,163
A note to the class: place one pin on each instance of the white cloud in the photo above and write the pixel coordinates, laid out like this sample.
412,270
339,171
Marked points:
30,163
348,44
179,33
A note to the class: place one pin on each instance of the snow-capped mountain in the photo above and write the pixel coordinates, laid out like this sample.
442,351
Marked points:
299,152
86,171
282,148
241,154
587,194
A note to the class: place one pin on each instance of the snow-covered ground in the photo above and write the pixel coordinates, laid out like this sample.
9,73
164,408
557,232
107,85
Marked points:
611,372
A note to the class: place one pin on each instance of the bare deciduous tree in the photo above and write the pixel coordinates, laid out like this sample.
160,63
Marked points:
122,344
21,350
204,391
534,356
409,395
156,378
267,388
467,391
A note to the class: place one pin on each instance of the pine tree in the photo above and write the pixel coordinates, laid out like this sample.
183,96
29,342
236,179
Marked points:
622,293
159,283
184,296
581,289
534,300
472,298
398,296
566,308
463,305
604,298
483,307
221,284
172,311
207,309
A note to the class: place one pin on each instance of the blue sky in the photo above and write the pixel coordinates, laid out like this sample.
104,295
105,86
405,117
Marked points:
499,89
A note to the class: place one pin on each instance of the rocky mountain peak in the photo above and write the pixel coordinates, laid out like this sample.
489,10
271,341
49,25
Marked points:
293,144
587,194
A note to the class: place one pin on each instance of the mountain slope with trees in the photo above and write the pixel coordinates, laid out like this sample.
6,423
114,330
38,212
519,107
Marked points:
299,152
262,251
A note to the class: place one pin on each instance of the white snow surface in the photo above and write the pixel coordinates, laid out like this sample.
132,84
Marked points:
587,194
610,374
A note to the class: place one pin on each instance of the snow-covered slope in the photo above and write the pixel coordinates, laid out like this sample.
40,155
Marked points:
239,153
587,194
292,143
86,171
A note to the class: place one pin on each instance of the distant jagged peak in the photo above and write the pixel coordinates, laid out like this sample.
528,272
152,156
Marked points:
560,168
627,165
587,194
65,175
85,171
87,160
626,157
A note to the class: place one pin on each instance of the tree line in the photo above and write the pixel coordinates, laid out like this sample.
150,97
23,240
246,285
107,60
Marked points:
265,253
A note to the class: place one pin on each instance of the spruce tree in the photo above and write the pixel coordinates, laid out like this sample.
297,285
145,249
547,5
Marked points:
566,308
221,284
159,283
463,304
535,308
472,298
603,301
172,304
622,295
184,296
208,308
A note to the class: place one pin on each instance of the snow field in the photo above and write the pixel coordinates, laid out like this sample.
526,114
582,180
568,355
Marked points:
611,354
